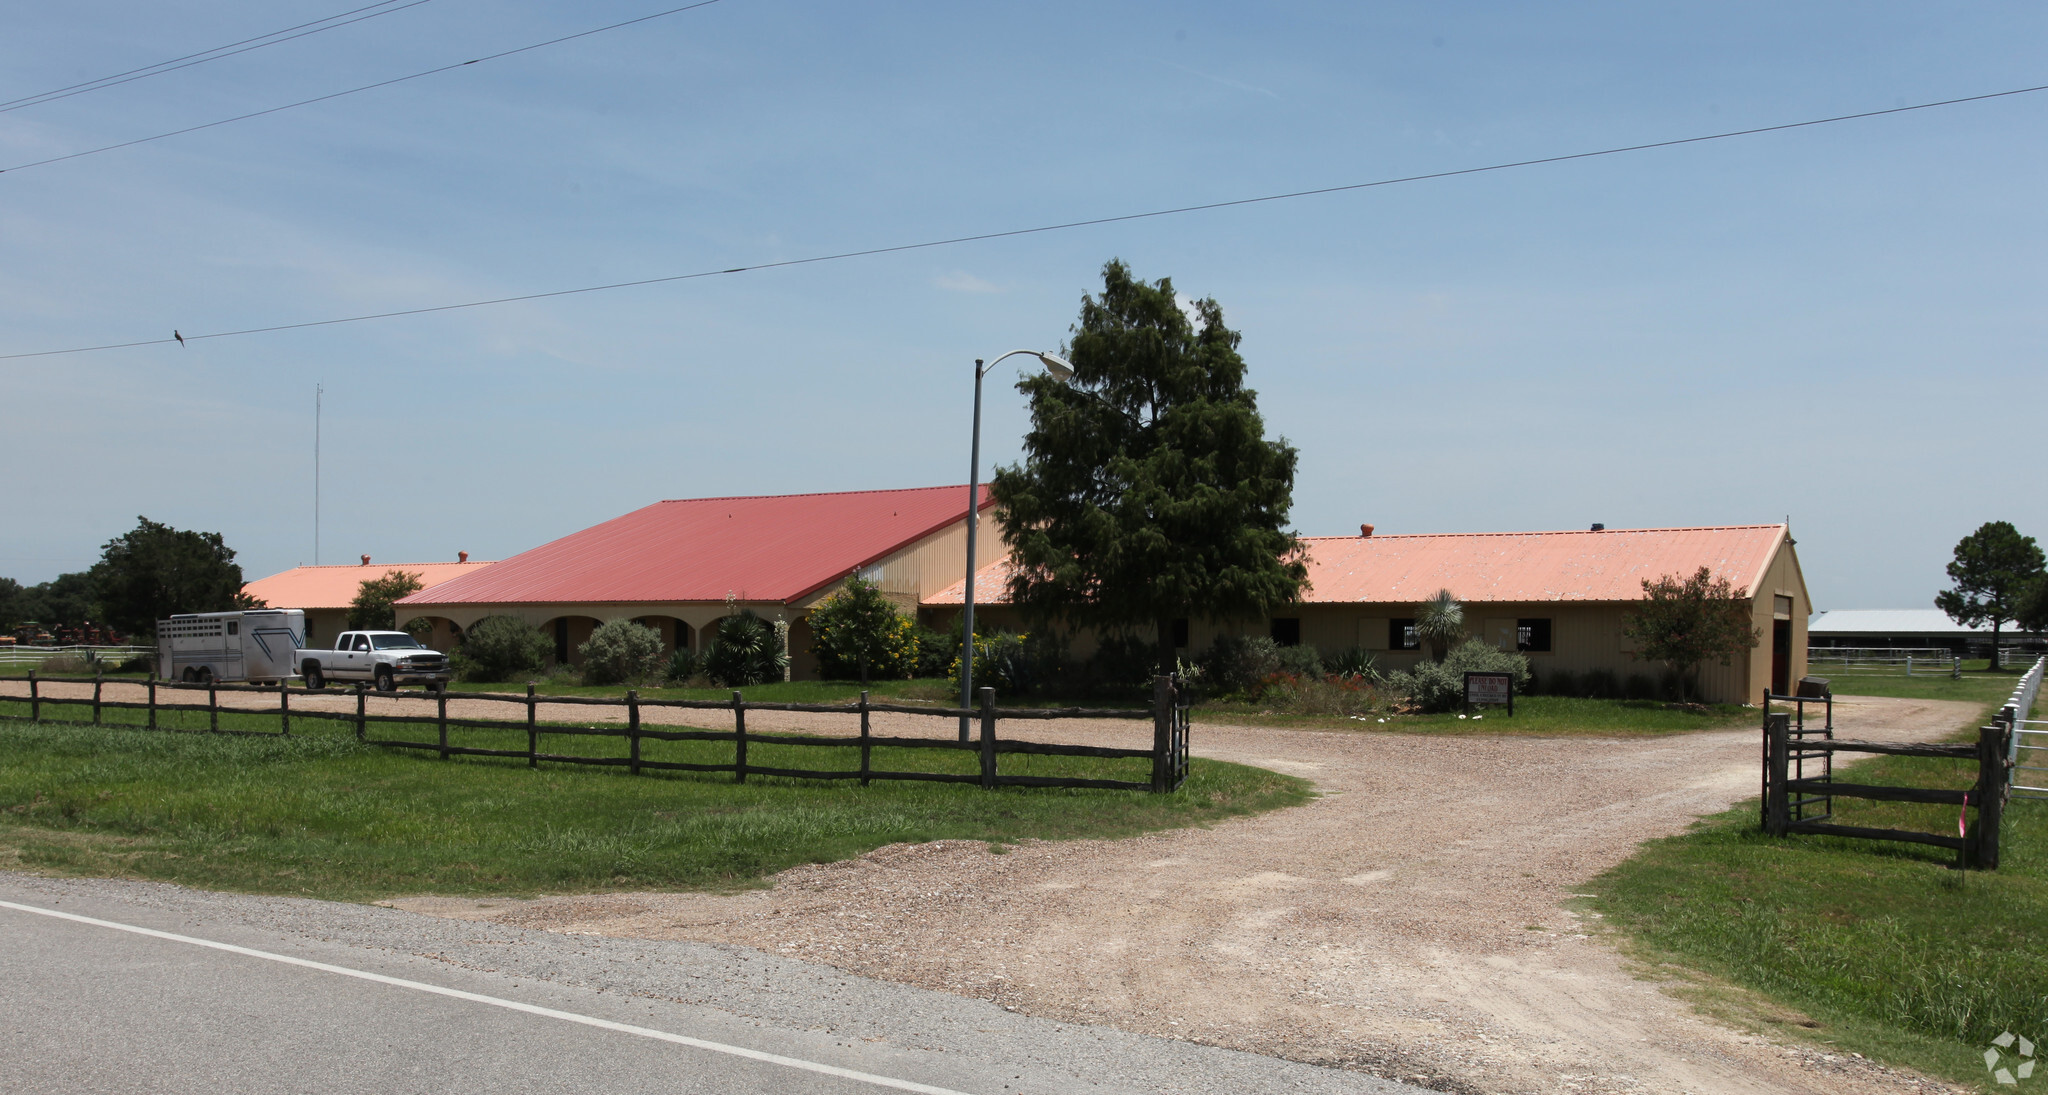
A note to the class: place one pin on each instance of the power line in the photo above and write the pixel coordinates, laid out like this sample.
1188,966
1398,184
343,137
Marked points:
355,90
214,54
1043,228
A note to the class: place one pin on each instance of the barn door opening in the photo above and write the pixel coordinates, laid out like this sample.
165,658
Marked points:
1781,657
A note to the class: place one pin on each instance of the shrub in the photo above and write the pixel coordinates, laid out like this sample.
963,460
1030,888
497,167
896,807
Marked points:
501,648
1638,686
1440,623
621,651
1236,664
1560,682
745,649
1353,661
999,663
936,651
859,633
1302,660
1600,684
1336,695
1122,663
682,665
1440,686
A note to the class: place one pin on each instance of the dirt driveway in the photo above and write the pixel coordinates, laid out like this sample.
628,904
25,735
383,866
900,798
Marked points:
1409,922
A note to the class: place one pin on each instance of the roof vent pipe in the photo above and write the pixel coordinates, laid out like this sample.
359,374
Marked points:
1365,530
462,556
366,560
1598,527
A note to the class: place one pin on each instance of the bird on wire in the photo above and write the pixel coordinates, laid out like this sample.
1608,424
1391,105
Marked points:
176,335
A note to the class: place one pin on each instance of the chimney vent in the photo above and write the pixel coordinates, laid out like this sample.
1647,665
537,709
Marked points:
366,560
1598,527
1365,530
462,556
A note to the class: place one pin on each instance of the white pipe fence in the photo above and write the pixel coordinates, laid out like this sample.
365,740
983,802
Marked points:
2029,735
18,656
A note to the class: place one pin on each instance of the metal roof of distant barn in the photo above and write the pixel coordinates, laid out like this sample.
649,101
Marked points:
774,548
1890,621
336,585
1524,567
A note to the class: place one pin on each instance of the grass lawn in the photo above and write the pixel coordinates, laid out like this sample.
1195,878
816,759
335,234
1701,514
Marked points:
1976,685
1543,716
319,815
1877,948
937,692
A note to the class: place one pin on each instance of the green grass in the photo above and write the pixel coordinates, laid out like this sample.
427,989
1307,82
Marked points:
1976,685
1876,947
937,692
1541,716
319,815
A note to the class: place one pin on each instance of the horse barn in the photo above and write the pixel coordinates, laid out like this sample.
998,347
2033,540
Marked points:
324,593
1559,597
676,565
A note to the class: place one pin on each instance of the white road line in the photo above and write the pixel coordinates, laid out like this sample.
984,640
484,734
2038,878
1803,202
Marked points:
509,1005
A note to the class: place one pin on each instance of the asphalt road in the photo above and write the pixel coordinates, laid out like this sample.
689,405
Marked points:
183,991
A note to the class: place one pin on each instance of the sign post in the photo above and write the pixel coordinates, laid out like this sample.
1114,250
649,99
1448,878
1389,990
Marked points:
1494,689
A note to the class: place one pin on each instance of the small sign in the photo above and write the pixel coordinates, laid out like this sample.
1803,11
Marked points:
1490,688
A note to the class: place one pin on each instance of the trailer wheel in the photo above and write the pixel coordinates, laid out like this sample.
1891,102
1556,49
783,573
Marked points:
203,675
315,679
384,681
189,676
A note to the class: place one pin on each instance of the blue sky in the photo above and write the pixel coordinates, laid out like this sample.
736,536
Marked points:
1841,323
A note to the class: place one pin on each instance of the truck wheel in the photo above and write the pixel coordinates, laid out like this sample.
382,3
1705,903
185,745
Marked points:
384,681
315,679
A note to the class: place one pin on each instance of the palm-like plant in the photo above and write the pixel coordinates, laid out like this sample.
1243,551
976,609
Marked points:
1440,622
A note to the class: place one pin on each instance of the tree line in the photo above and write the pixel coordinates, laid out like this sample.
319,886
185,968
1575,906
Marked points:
143,575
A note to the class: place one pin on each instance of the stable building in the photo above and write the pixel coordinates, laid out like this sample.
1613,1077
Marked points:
1558,597
678,566
324,593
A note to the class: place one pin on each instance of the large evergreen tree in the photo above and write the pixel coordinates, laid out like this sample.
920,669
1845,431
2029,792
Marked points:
1993,569
154,570
1149,491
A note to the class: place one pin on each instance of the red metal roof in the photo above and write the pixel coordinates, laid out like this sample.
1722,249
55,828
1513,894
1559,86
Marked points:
1609,565
777,548
335,586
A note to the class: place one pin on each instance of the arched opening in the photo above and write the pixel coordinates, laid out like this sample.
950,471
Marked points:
438,632
675,634
568,633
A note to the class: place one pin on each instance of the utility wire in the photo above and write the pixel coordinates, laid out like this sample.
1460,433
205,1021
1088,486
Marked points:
214,54
1060,227
365,87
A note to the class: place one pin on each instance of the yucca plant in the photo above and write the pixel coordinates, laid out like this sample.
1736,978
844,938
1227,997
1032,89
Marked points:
1440,622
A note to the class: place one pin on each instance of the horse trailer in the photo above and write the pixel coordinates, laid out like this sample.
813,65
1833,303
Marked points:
260,645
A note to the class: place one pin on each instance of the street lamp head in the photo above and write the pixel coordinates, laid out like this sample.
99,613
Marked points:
1054,364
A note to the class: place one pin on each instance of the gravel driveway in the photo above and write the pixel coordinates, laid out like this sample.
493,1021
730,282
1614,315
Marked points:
1411,921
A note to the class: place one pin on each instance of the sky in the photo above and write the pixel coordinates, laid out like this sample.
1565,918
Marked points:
1839,324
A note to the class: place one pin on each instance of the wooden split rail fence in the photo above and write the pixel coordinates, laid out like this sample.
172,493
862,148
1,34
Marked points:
1799,787
1168,753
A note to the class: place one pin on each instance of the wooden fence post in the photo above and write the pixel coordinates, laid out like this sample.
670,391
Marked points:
532,733
99,677
1162,729
35,698
1991,781
152,699
988,738
633,730
362,713
1777,808
212,704
284,707
739,740
866,749
441,719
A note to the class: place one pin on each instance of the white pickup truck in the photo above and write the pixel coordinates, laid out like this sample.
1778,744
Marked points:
386,658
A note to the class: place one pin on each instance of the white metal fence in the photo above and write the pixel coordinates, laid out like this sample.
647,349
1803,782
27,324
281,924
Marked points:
1912,661
2029,749
29,657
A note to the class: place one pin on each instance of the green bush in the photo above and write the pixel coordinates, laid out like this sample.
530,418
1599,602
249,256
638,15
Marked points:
1301,660
999,663
744,650
1122,663
682,665
1600,684
1440,686
936,651
1353,661
857,628
1237,664
501,648
1340,696
621,651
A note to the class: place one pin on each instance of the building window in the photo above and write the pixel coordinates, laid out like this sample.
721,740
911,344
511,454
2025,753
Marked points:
1401,635
1532,635
1180,634
1287,630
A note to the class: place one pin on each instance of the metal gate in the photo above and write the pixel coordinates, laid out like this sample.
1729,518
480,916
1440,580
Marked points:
1801,763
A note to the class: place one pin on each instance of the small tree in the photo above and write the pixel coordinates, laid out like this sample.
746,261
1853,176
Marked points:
371,610
858,632
1440,622
744,650
154,571
1684,622
2032,614
1993,569
502,648
620,651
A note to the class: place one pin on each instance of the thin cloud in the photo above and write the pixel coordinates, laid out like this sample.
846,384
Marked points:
1225,81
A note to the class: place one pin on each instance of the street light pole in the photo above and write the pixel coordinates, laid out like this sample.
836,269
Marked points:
1060,370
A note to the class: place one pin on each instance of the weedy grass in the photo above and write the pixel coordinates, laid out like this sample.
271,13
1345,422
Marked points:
320,815
1876,947
1535,716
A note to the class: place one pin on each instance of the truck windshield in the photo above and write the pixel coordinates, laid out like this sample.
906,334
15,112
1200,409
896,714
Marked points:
394,642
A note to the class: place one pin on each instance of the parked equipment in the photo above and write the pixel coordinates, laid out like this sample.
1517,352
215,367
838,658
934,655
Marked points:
257,645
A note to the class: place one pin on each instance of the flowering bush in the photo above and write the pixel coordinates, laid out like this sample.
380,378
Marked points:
858,625
999,663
